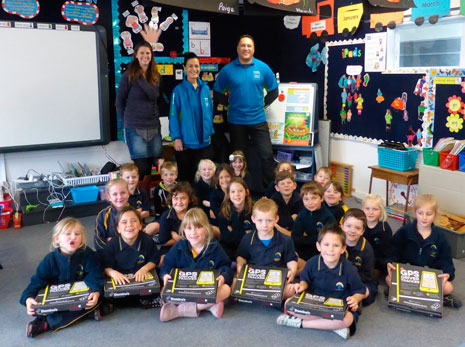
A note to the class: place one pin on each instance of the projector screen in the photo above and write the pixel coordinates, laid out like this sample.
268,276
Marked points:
54,86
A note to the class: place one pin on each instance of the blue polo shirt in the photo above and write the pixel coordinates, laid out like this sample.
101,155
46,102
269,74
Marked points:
278,252
286,210
245,85
126,259
339,282
362,256
169,222
139,200
105,227
380,238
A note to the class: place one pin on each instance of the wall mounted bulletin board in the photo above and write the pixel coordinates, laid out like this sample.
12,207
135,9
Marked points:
445,105
377,110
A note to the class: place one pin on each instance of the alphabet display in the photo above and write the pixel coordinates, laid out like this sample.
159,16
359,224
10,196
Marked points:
416,289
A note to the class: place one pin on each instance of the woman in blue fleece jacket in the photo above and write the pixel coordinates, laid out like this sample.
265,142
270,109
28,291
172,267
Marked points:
197,250
70,261
191,119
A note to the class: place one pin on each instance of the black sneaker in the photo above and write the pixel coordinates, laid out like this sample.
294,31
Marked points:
151,302
386,292
452,301
36,327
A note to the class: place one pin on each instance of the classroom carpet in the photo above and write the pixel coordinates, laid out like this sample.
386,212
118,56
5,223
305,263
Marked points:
242,325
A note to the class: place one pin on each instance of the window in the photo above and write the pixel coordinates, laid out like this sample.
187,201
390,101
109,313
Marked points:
428,45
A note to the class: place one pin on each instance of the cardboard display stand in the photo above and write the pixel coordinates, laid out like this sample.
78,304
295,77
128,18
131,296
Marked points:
416,289
62,297
315,305
148,287
190,285
260,284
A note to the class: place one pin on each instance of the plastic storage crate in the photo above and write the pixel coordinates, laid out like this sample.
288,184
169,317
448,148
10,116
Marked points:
397,160
462,161
5,216
86,180
430,157
284,156
84,194
448,161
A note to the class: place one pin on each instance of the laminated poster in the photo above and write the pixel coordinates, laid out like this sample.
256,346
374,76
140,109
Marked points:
84,13
26,9
375,52
297,128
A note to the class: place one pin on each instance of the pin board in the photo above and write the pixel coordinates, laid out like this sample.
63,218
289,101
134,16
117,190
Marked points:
292,116
369,106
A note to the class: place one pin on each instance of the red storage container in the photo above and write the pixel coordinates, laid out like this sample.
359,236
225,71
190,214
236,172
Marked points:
5,217
448,161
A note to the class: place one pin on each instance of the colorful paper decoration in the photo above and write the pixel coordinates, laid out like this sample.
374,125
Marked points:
221,6
348,18
85,13
315,58
26,9
429,10
322,24
455,104
298,6
393,3
454,123
379,96
390,19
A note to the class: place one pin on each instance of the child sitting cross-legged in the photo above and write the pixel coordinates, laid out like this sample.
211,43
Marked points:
266,246
329,274
197,249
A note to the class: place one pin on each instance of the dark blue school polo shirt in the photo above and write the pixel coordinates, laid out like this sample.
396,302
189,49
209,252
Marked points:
339,282
139,200
121,257
169,222
105,226
245,84
278,253
239,223
380,238
434,251
363,258
203,191
285,211
310,223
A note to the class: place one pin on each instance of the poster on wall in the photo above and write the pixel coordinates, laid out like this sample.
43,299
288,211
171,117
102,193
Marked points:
375,52
26,9
298,6
221,6
199,38
82,12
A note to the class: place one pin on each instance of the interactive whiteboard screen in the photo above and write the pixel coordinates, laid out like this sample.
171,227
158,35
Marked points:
52,90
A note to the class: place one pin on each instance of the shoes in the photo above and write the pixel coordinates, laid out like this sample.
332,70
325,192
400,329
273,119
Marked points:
36,327
151,302
344,333
217,309
452,301
289,321
96,315
386,292
171,311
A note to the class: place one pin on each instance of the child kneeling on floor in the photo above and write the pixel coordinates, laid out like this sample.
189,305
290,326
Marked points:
329,274
197,249
69,261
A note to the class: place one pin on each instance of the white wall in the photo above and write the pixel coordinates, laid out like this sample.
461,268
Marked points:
17,164
360,155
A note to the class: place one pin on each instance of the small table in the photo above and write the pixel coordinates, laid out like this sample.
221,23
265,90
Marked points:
401,177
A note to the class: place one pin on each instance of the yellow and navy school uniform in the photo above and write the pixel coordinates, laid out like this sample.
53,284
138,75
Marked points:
286,210
169,222
160,199
126,259
105,227
362,256
277,251
339,282
310,223
139,199
56,268
239,222
213,257
203,191
434,251
380,238
337,210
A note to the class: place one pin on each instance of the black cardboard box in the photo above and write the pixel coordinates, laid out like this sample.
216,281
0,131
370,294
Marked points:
416,289
148,287
316,305
191,285
260,284
62,297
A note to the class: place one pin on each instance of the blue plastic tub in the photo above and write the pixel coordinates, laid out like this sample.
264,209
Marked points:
397,160
84,194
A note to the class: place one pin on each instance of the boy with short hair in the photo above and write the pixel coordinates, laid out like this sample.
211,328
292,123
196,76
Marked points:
265,246
169,174
138,198
359,251
323,176
329,274
309,221
288,201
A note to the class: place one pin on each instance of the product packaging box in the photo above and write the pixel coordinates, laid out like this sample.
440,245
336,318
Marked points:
190,285
148,287
416,289
62,297
260,284
316,305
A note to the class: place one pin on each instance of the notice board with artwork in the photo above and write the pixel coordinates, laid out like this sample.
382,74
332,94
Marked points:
292,116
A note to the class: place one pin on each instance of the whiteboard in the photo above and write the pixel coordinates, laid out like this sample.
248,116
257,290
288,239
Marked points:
52,92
